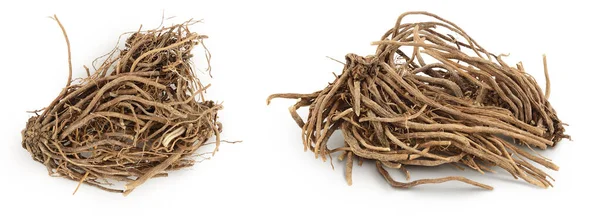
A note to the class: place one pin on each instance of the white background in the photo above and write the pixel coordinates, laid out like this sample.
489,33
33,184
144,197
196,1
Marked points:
265,47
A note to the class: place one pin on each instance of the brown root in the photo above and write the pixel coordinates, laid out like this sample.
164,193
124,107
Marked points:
136,117
430,96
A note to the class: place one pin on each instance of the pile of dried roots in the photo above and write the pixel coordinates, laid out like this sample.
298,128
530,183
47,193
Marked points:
131,120
430,96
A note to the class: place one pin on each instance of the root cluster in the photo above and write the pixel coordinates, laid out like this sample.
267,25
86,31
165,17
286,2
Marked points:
132,119
431,95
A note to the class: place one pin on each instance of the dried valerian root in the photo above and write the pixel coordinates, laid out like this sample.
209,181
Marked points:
132,119
430,96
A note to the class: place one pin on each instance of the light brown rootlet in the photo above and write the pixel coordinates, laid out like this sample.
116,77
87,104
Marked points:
131,120
430,96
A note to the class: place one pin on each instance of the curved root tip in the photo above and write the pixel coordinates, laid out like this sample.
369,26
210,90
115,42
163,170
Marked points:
271,97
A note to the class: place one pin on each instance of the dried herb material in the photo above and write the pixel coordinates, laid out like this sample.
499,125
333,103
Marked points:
131,120
430,96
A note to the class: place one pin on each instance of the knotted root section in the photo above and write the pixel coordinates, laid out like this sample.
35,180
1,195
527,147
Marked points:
431,95
133,119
